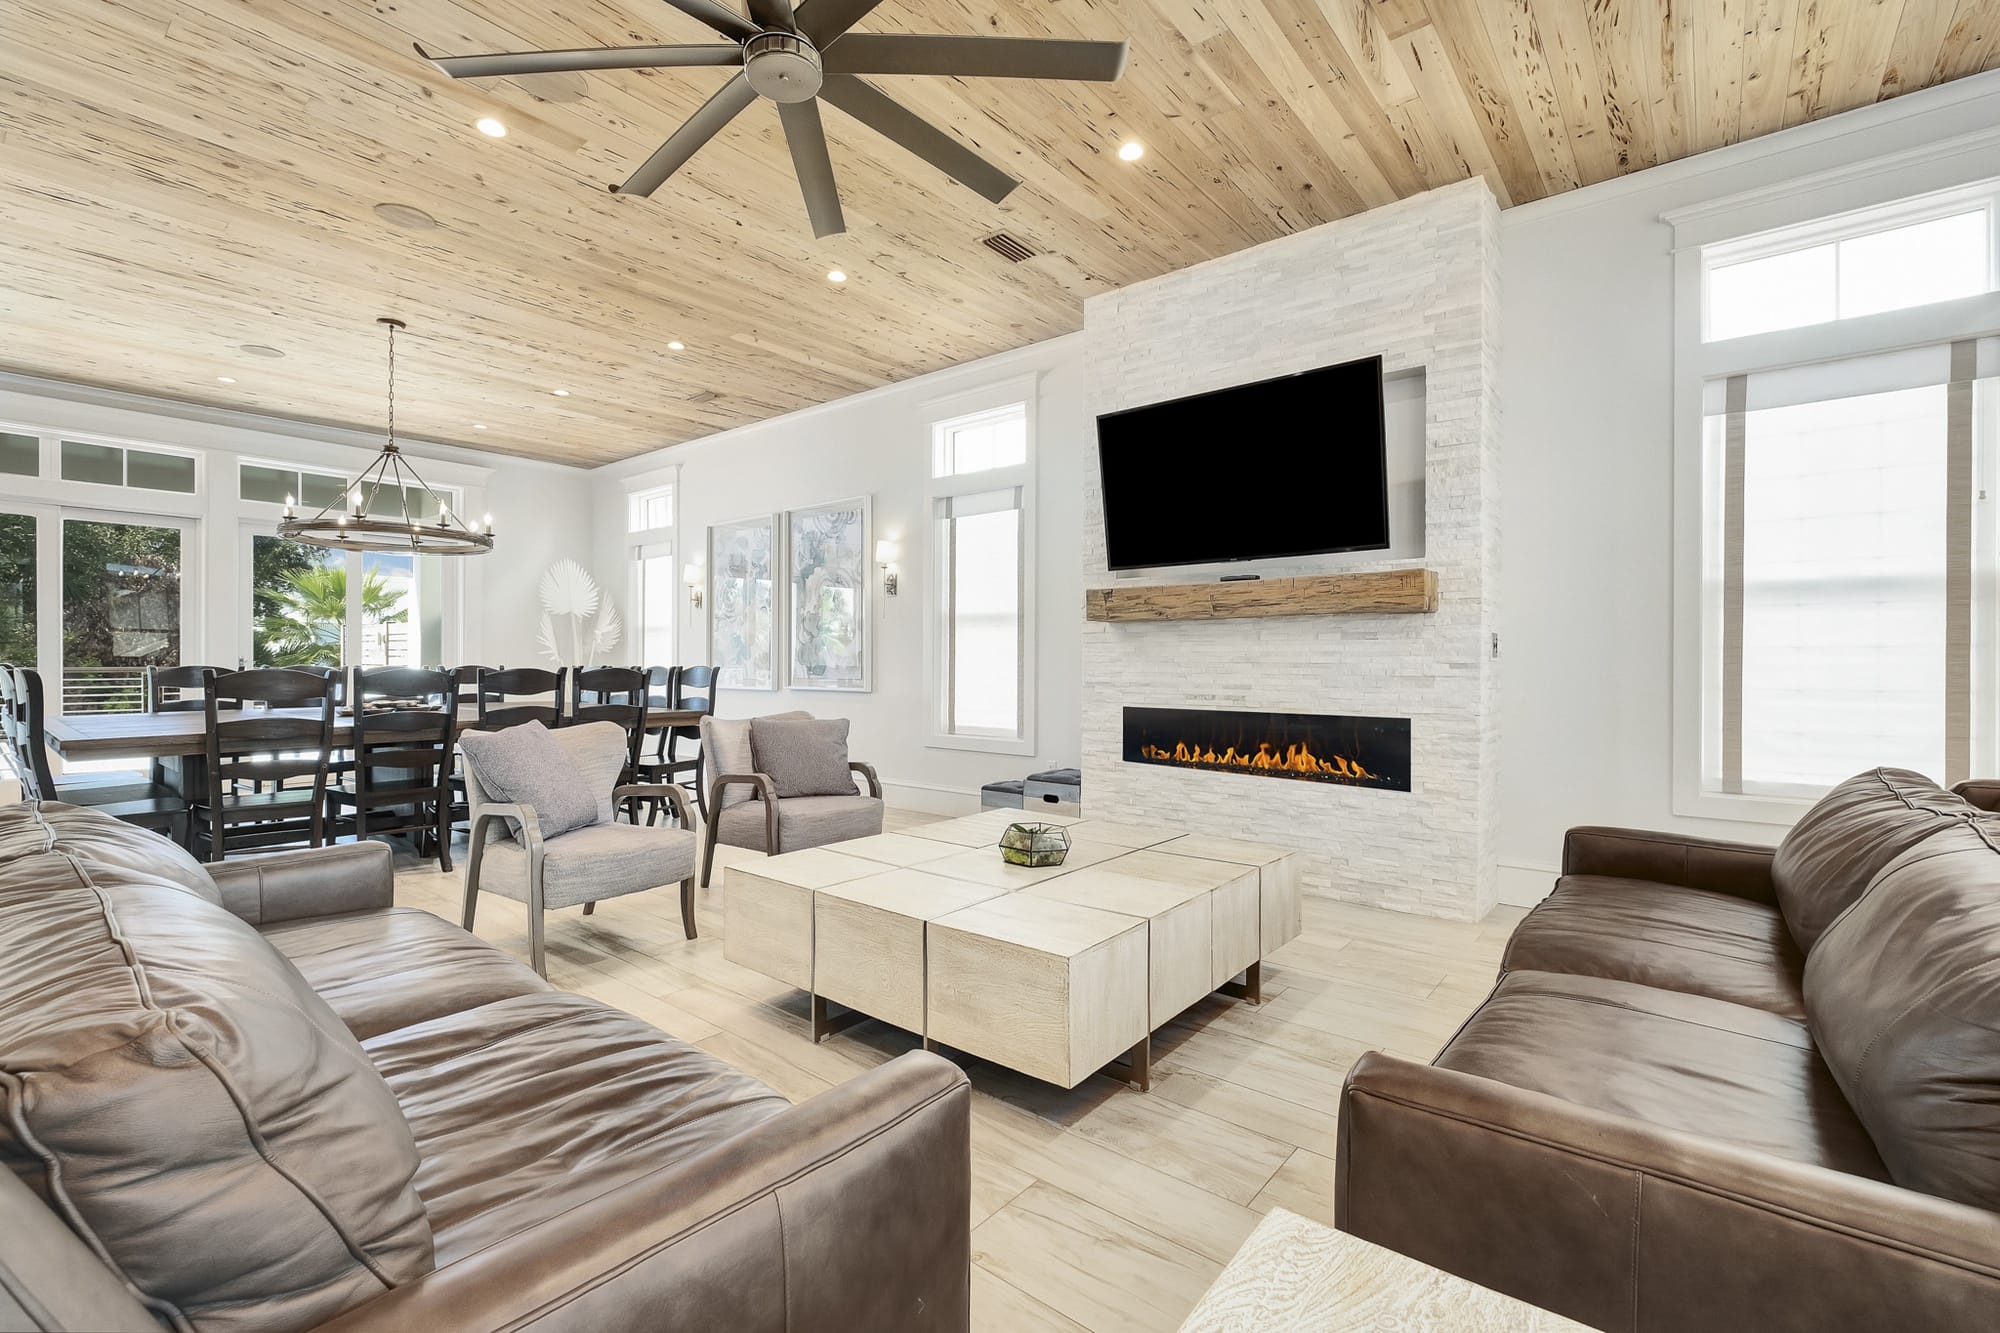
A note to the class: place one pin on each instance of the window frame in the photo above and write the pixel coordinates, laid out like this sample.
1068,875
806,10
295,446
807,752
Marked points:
939,415
1745,228
641,544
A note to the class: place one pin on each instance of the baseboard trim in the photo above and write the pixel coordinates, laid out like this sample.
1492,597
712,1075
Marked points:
1523,884
926,799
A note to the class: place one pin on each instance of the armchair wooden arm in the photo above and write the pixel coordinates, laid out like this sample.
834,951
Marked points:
671,792
867,771
531,839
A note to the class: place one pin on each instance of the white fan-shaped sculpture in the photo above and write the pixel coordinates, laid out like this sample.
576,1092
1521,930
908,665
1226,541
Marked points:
576,615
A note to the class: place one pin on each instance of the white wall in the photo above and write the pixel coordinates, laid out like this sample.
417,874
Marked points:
876,444
1587,472
540,510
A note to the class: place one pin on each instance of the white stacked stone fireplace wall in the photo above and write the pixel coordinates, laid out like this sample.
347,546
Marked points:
1418,283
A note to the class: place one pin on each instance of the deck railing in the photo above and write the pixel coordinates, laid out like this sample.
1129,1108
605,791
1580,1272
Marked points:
104,689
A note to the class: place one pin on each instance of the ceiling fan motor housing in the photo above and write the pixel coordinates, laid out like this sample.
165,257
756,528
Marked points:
782,66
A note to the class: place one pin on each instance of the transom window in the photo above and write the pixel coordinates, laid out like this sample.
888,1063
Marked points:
117,465
1866,263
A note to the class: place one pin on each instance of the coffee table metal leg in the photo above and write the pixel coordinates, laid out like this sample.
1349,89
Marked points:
1251,988
824,1026
1137,1064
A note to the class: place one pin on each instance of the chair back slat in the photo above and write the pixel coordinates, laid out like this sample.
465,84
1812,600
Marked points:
695,689
175,689
508,698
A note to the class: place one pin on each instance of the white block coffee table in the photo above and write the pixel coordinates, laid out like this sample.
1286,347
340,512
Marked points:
1054,971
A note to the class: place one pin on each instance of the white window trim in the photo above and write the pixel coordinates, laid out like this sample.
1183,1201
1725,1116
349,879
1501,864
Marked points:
1023,390
1866,201
639,541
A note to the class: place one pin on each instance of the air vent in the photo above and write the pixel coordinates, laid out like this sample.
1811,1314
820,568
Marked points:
1010,248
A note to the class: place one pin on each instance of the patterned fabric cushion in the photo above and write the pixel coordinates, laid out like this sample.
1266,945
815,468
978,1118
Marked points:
602,861
803,756
726,742
525,766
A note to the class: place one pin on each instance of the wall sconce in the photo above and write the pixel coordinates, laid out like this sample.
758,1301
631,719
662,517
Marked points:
885,556
691,575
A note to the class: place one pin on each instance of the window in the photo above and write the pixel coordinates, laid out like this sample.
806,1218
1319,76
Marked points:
651,509
980,612
20,455
650,523
1848,587
122,609
17,589
269,483
115,465
1895,258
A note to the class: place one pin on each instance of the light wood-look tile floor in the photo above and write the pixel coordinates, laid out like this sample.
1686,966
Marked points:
1100,1208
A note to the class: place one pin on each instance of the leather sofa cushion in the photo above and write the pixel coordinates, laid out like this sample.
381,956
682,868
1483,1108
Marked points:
383,970
1682,1062
526,1107
174,1089
1681,939
1904,997
803,821
111,850
1842,843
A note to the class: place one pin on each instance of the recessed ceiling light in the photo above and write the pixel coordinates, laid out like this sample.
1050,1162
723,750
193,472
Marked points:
259,349
490,127
479,425
408,216
560,393
1131,150
225,379
835,275
676,347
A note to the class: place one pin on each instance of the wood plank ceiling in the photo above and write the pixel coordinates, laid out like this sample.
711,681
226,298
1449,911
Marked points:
182,177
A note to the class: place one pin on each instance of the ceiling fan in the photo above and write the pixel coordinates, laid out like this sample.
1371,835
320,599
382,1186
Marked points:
798,57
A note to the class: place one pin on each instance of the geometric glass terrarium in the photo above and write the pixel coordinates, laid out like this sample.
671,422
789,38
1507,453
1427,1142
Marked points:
1034,845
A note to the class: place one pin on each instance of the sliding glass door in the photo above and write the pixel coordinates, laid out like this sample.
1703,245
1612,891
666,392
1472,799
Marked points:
309,606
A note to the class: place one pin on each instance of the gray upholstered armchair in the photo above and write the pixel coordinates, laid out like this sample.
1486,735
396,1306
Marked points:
602,859
801,794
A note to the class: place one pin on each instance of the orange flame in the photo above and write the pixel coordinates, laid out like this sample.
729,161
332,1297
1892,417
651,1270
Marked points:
1297,759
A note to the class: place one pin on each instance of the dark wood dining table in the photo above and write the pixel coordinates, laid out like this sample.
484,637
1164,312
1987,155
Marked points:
180,740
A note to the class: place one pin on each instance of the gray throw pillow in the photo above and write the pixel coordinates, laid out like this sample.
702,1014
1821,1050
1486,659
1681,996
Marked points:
525,766
804,756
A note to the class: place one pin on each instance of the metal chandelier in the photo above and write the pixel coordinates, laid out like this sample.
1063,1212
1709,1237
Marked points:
351,524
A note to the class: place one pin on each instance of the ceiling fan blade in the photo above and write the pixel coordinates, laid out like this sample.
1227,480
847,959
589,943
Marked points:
807,139
892,120
976,57
775,15
702,126
717,16
563,62
824,20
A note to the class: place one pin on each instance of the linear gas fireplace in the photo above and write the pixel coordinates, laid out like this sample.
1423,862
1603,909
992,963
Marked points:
1306,747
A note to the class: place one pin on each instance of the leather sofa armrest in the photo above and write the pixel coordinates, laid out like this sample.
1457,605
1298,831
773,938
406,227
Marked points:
849,1211
1624,1225
318,881
1741,869
1982,792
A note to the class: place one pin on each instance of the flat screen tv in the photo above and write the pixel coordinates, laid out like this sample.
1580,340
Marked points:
1285,467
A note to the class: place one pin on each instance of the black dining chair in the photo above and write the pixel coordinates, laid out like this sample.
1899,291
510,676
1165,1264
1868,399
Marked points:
614,694
176,689
510,698
24,717
400,780
694,690
290,737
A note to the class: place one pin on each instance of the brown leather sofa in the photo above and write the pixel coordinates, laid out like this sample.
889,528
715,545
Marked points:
261,1096
1721,1086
